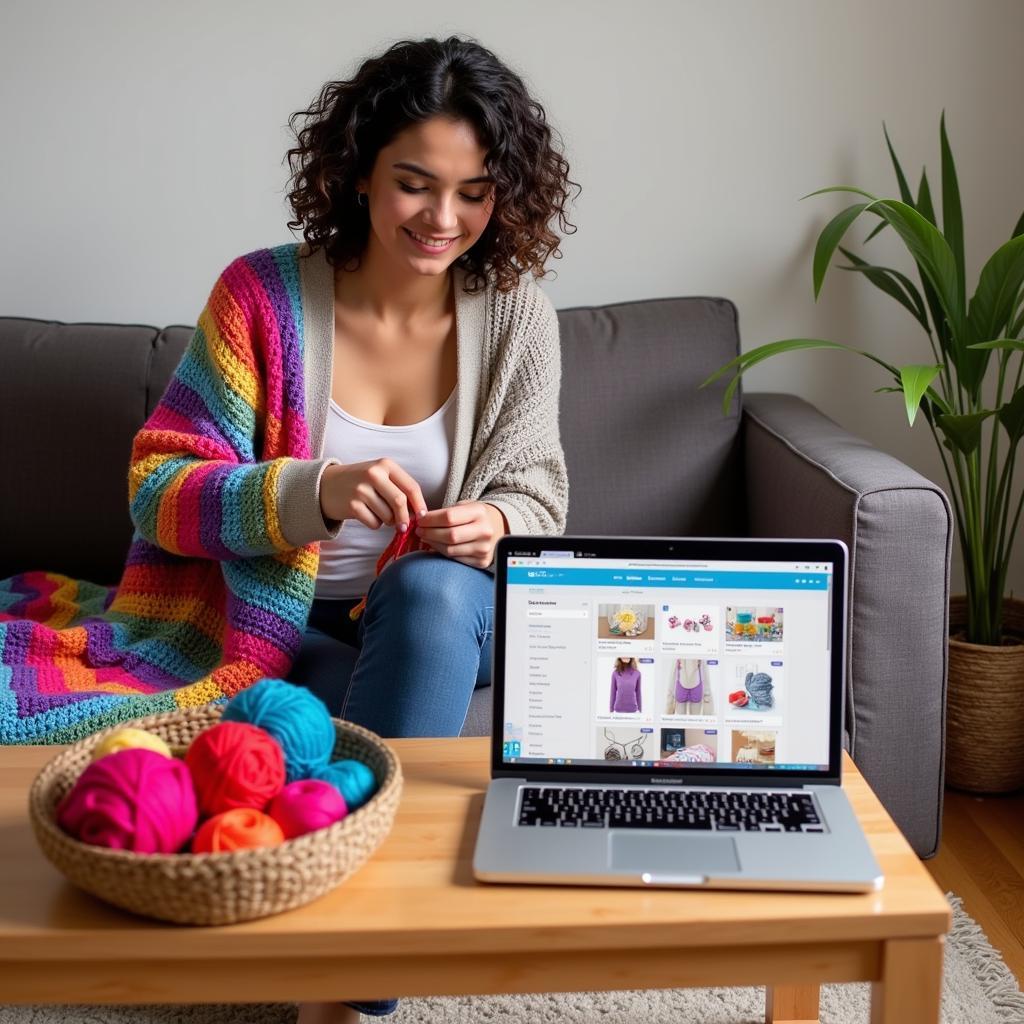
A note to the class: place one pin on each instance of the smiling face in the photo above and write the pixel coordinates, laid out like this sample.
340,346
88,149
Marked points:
423,185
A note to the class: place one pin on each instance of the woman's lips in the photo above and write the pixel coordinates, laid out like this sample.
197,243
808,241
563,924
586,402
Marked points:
423,247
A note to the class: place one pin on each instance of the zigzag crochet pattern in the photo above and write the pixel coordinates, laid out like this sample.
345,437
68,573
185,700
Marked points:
212,596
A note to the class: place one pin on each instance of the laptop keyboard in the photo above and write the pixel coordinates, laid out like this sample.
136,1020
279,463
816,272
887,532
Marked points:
696,810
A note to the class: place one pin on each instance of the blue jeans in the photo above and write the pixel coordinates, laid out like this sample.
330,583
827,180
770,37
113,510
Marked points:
408,666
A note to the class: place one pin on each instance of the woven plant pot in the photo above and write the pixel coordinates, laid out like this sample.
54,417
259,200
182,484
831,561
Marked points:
217,888
985,705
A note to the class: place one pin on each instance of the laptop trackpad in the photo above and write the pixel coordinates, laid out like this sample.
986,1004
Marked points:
669,855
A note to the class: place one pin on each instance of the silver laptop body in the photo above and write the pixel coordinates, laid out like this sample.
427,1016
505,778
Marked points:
643,684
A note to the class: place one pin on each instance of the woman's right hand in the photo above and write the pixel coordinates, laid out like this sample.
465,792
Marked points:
374,493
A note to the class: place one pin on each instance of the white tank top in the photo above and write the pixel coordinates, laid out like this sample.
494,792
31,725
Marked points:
348,563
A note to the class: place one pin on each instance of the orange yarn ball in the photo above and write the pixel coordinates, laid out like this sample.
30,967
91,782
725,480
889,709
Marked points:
243,828
235,764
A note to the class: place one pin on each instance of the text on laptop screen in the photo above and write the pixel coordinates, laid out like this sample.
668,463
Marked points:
667,664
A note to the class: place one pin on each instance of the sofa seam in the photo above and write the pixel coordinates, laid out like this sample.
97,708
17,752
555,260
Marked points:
718,299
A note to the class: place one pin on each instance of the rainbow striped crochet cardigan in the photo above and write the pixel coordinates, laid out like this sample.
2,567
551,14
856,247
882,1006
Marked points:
212,597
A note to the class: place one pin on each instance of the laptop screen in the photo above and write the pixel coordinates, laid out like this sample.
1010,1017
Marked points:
706,658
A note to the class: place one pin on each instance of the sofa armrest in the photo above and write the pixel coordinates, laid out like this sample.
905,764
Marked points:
807,477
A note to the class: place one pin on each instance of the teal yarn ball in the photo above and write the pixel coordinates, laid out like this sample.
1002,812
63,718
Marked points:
353,779
297,718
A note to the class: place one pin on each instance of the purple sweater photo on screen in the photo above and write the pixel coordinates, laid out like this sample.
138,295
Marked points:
625,690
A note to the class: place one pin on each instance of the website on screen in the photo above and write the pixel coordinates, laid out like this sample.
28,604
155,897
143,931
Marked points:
662,664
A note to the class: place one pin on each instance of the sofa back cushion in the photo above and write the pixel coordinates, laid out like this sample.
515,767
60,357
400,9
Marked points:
72,398
647,452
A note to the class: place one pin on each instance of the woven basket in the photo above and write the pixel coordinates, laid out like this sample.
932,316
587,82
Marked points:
985,706
217,888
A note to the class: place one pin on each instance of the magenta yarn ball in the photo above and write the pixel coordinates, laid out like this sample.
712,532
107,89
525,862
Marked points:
307,805
133,799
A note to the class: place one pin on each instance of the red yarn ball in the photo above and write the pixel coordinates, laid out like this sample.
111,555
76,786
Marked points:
243,828
235,764
307,805
134,799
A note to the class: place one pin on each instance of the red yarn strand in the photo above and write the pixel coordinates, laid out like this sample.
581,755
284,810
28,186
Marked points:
400,544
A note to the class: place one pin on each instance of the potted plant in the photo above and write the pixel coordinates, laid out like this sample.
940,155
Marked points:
972,398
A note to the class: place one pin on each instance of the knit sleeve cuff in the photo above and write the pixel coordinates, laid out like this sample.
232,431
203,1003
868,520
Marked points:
513,516
298,502
515,520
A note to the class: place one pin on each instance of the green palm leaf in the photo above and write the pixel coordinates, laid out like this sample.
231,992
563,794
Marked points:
963,432
901,178
952,213
839,188
829,239
893,283
924,199
1017,326
931,252
745,360
999,284
1008,343
915,381
1011,415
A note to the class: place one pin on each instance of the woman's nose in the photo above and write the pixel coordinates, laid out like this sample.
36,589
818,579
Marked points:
443,216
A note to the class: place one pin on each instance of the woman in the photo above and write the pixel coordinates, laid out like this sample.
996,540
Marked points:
398,370
311,367
442,402
442,412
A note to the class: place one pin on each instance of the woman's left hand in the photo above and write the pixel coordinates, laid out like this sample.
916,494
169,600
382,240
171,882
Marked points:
466,532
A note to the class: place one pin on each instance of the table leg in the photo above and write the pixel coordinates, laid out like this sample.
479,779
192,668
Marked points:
910,989
792,1004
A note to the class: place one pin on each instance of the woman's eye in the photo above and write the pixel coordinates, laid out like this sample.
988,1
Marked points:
409,188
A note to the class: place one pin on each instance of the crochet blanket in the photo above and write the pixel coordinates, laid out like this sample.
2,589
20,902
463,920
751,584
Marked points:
212,597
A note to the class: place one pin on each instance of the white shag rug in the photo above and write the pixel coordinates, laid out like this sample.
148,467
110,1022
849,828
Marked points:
977,988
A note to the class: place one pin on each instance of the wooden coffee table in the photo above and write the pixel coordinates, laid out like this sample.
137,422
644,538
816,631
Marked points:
414,922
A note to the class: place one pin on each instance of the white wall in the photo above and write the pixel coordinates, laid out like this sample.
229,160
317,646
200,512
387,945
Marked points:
142,146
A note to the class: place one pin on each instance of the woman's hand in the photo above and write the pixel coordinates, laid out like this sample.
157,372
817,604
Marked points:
374,493
466,532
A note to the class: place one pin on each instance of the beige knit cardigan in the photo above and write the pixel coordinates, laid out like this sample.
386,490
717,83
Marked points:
506,450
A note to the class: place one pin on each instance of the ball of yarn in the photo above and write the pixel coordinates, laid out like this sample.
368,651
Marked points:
296,717
126,739
307,805
759,686
235,764
243,828
353,779
133,799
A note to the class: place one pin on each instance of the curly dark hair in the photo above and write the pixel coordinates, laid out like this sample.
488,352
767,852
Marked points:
351,121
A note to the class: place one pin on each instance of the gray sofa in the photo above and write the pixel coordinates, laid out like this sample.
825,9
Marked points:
648,454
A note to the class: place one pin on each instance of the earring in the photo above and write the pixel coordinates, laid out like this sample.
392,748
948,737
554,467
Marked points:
360,196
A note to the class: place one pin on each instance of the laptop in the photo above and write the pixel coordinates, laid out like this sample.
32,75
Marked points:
668,712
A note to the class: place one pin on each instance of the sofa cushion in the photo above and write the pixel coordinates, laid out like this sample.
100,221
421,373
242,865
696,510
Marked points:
72,397
647,452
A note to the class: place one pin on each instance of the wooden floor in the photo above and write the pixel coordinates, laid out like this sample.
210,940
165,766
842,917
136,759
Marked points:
981,860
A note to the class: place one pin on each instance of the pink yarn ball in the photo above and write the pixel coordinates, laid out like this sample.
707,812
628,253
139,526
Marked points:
133,799
307,805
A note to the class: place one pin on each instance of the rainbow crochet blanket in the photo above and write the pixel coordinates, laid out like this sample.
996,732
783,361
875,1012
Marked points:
212,597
